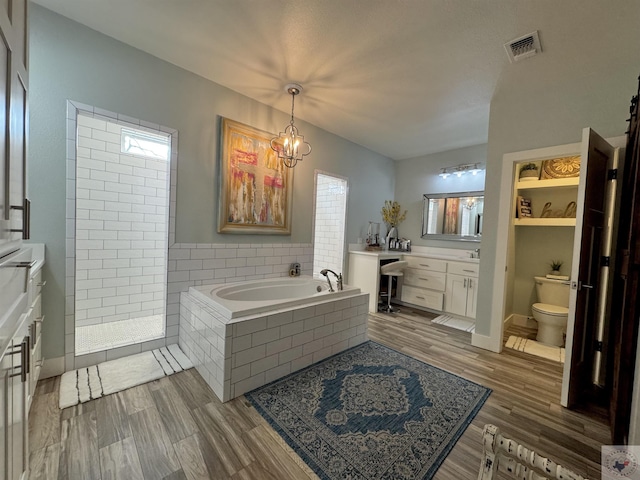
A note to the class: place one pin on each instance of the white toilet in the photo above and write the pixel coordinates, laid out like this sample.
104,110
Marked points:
552,310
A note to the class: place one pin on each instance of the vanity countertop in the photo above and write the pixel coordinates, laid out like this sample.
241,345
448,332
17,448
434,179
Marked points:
379,253
383,254
451,258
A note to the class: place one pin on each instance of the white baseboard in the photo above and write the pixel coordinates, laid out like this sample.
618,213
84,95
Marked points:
52,367
508,321
524,321
486,342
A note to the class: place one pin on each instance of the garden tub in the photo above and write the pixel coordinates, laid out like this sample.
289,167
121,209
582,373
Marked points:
244,335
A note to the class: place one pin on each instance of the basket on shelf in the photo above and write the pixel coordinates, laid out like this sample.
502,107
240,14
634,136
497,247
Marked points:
529,171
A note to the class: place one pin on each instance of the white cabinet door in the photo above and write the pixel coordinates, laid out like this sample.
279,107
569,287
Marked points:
461,295
472,297
13,127
456,295
5,447
17,414
364,272
14,380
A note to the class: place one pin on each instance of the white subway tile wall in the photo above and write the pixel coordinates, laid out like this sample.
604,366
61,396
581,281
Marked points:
188,264
235,358
192,264
110,196
330,218
122,217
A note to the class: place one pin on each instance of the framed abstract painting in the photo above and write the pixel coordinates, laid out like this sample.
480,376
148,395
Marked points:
255,187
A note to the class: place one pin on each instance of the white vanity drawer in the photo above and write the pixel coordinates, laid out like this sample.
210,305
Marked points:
425,279
422,297
425,263
35,285
466,269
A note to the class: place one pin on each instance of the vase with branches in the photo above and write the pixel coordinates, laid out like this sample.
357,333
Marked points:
392,217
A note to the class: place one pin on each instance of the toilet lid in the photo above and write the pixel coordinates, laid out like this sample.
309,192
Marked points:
550,309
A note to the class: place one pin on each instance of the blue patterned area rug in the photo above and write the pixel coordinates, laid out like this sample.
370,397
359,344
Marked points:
371,413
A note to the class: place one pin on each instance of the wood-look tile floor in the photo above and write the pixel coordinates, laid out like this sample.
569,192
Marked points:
176,428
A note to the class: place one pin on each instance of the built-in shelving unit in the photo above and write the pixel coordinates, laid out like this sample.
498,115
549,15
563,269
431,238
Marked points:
558,188
544,222
550,183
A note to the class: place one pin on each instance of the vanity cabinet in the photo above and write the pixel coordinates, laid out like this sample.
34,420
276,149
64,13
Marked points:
424,282
20,359
35,318
364,272
14,129
428,283
462,289
16,379
14,369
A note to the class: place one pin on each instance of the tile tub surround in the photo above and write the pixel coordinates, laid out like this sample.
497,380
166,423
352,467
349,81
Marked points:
194,264
237,356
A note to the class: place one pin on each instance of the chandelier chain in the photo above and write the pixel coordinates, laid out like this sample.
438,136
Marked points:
293,100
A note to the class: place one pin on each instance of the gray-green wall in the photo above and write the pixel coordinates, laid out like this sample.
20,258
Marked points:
70,61
417,176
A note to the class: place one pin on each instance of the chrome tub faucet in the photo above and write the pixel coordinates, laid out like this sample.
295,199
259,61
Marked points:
326,272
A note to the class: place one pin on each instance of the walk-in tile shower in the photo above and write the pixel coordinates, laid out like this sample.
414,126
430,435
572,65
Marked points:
122,194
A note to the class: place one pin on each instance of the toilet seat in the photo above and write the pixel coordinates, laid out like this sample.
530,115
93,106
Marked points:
552,310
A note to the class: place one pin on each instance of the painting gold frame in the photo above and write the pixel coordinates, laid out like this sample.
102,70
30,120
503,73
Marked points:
256,189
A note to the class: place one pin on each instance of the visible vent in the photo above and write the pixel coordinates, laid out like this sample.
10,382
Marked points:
523,47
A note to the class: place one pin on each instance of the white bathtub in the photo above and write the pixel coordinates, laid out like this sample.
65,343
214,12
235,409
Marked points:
244,335
258,296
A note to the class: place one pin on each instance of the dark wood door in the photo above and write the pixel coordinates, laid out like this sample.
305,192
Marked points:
625,303
596,157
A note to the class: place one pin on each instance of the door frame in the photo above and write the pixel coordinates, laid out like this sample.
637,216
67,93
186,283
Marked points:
505,251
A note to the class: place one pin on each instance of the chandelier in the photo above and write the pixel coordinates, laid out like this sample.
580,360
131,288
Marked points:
290,145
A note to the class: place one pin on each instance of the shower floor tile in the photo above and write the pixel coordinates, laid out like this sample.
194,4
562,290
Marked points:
104,336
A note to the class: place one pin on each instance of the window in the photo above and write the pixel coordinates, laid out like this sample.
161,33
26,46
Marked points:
136,142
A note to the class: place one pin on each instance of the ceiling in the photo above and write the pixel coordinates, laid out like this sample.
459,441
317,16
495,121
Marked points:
403,78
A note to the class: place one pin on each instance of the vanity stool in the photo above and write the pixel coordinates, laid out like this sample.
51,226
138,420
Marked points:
393,269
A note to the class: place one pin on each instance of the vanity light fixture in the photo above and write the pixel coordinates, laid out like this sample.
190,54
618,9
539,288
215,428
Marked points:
459,170
290,145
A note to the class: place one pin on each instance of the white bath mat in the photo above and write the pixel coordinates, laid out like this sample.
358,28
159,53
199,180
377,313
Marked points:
455,322
536,348
93,382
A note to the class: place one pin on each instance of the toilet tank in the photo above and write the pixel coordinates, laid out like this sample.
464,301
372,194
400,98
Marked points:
552,292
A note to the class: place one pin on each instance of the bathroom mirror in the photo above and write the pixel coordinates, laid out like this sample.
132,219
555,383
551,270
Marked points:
453,216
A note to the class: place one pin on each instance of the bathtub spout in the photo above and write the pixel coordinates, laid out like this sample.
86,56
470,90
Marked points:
326,272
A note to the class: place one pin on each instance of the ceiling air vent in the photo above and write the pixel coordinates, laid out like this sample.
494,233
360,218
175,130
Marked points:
523,47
